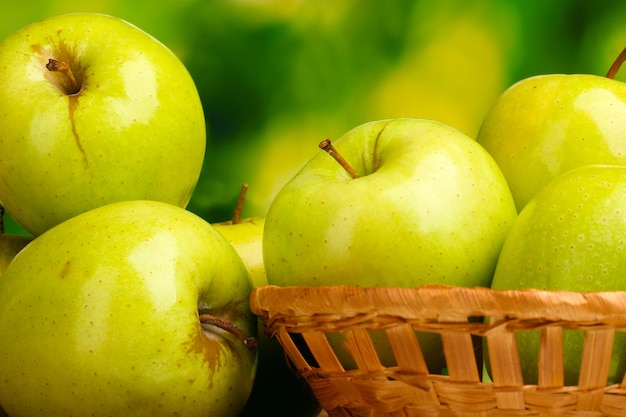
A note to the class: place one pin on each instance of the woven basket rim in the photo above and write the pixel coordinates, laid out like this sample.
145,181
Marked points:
437,301
303,319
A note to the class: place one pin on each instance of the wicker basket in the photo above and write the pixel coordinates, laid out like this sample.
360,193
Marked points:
301,318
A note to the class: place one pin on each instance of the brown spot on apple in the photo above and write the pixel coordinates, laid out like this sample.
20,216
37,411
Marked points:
207,329
72,103
65,270
375,158
61,67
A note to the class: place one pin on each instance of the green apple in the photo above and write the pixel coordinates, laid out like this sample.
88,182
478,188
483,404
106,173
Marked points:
545,125
570,236
246,236
94,111
429,205
277,390
111,313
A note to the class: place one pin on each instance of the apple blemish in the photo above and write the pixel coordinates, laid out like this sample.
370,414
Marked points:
68,84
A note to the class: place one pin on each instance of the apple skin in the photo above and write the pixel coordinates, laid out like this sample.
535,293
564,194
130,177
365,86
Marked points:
545,125
135,130
570,236
277,390
11,245
430,207
99,317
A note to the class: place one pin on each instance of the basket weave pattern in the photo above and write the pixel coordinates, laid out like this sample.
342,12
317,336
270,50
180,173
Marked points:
296,314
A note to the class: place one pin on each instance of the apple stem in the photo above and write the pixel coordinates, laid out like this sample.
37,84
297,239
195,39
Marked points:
62,67
616,65
332,151
249,342
239,207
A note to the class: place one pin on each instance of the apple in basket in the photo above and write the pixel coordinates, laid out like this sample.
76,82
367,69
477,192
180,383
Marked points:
545,125
570,236
411,202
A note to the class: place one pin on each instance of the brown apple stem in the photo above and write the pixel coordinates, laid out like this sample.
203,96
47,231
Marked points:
62,67
249,342
330,149
616,65
239,207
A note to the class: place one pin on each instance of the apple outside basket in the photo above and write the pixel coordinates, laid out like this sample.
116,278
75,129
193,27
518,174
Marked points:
296,314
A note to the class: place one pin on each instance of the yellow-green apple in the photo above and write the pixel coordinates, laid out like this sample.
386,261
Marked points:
426,204
94,110
135,308
545,125
246,236
570,236
277,390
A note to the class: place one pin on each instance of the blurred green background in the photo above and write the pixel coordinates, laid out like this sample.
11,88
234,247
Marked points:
276,77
